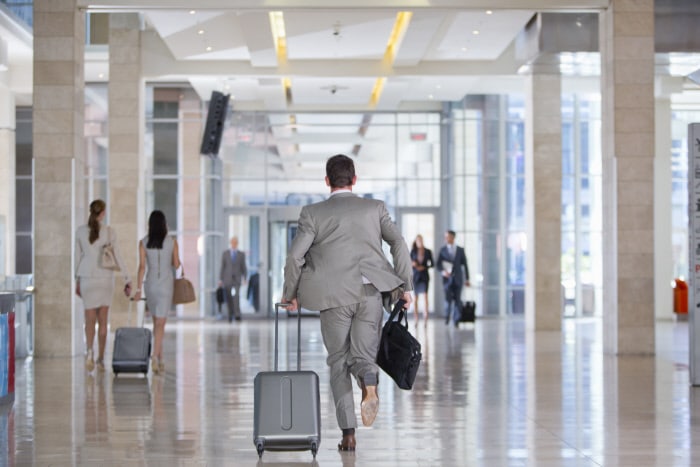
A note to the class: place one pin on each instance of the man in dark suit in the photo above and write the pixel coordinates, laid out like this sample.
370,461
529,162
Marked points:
336,265
233,273
450,262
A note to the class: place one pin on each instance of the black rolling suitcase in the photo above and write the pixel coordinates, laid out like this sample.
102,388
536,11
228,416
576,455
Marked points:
287,413
132,349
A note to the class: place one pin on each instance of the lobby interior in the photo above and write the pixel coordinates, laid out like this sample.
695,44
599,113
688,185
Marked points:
551,135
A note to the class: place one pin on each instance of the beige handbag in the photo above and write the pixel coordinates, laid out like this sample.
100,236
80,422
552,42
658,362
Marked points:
183,291
108,258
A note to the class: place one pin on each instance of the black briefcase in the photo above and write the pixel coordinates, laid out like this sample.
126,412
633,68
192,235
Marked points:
220,295
399,352
467,312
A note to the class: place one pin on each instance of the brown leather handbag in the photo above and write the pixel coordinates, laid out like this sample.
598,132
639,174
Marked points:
183,291
108,257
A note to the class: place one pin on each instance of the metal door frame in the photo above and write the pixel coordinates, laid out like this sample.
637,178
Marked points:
263,269
436,286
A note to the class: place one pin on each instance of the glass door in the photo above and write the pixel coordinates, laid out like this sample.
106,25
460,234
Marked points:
423,222
249,226
283,224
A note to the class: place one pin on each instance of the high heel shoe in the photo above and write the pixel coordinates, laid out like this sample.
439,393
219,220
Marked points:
154,365
89,361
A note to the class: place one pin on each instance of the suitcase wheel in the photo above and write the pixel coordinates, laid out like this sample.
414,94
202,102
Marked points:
314,449
261,448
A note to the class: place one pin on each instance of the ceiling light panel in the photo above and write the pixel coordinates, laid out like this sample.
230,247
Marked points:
317,91
223,34
495,33
171,22
363,34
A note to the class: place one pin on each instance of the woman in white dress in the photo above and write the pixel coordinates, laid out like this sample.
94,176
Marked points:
96,284
158,260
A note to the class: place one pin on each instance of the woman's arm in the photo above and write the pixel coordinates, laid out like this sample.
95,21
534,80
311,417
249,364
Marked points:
428,259
141,272
118,255
78,255
176,255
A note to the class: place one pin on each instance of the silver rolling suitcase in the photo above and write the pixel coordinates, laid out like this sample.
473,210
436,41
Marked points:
132,349
287,406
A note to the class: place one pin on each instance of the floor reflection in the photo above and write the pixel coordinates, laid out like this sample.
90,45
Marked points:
488,394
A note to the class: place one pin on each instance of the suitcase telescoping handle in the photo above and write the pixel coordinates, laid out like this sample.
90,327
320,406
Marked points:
285,305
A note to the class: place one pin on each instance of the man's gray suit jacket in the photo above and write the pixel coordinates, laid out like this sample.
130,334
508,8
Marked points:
338,241
232,272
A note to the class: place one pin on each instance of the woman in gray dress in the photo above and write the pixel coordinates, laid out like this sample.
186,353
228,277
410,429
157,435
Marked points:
158,260
94,284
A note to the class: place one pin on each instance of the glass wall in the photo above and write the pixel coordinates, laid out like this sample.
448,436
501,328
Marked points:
162,152
680,119
276,161
96,167
279,159
488,213
487,179
582,209
23,9
173,182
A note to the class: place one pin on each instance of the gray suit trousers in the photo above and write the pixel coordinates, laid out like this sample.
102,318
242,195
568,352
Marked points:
351,335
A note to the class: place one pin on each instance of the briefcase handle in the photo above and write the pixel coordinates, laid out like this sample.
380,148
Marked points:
285,305
399,310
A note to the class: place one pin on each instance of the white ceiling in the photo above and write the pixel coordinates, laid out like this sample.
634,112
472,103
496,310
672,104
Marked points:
426,68
334,50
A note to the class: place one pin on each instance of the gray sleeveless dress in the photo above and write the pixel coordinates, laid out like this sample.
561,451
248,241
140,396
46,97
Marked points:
160,276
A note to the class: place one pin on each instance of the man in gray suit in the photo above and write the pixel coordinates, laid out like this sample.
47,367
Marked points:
233,273
336,265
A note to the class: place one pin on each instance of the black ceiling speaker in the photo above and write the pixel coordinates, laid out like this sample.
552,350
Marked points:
216,116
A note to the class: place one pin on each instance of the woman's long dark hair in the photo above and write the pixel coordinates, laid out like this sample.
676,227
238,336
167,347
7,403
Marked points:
96,208
157,230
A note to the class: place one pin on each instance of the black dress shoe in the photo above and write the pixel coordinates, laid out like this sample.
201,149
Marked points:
347,443
238,318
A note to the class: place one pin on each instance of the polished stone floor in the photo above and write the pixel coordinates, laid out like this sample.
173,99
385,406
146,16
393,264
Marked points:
486,395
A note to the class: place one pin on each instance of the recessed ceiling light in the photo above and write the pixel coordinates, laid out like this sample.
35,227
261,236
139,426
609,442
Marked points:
192,12
208,48
464,49
579,23
437,86
489,12
475,32
101,75
430,96
200,32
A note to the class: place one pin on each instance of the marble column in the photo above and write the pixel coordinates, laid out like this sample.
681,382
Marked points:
663,228
191,162
543,303
7,181
58,93
627,85
126,123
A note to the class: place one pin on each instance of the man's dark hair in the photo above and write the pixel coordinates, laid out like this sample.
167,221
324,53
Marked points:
452,232
340,170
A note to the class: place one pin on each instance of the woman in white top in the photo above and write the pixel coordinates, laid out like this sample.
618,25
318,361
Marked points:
93,283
